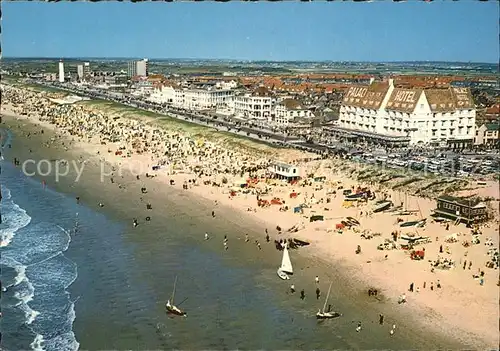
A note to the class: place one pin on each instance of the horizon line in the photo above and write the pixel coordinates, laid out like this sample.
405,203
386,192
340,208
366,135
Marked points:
242,60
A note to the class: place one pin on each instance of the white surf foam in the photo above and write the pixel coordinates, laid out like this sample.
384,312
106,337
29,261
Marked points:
25,292
13,219
16,218
37,344
21,274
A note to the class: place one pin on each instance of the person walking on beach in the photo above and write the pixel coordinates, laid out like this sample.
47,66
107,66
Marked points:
206,236
411,287
246,238
302,294
292,288
213,214
381,319
318,293
316,280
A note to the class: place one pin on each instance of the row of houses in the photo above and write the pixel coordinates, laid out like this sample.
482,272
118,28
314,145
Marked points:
260,105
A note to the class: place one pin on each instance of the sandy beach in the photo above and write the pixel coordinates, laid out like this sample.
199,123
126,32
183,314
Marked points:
453,301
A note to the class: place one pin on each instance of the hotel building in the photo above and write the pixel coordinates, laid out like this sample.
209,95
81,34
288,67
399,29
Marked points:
61,72
79,72
488,134
383,113
192,99
137,68
289,110
257,105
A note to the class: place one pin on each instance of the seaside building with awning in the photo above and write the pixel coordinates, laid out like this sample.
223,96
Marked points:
468,210
286,171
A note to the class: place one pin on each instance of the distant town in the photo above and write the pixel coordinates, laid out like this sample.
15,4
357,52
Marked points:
455,109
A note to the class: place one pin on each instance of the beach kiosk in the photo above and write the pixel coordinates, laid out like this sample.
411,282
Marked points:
467,210
285,171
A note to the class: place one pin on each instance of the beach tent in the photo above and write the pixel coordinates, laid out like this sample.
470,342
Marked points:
297,209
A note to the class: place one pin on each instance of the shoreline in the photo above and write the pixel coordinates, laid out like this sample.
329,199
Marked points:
330,248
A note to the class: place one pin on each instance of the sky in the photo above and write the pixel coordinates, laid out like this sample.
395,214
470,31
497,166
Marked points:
461,31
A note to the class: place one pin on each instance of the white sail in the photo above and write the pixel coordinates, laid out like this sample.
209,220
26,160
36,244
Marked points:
327,296
173,292
286,264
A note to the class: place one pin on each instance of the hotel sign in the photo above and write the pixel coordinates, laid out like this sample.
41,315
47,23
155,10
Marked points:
405,96
357,92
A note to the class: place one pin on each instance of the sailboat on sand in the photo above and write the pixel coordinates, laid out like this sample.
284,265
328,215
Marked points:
286,268
323,314
170,307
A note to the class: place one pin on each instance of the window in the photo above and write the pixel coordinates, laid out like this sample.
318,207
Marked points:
294,171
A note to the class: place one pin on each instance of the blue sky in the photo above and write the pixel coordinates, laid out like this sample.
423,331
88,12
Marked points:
346,31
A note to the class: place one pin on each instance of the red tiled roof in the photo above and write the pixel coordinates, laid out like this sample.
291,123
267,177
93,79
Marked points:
366,96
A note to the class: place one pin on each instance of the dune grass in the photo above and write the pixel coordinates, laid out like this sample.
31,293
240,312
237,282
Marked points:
181,126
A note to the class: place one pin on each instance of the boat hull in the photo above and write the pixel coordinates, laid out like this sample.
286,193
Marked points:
327,315
282,274
417,224
382,207
175,311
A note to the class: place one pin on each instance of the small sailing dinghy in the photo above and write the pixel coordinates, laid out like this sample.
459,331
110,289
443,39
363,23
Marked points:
382,206
171,308
323,314
286,268
417,224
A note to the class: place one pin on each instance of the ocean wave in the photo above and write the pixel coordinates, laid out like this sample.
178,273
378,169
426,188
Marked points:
41,274
38,273
42,242
66,341
25,290
19,268
25,294
14,218
6,195
37,344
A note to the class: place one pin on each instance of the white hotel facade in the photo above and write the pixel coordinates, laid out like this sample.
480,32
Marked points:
259,106
383,113
193,99
289,110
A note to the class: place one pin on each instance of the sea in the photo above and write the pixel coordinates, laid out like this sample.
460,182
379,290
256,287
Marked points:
80,278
